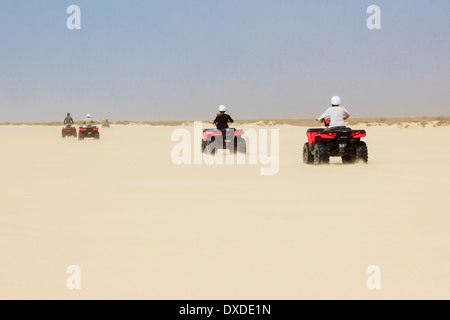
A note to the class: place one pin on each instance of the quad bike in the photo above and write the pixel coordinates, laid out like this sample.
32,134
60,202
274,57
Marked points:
105,124
325,143
69,131
230,138
88,132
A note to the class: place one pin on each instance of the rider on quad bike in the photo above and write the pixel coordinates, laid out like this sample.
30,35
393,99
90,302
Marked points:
222,119
88,121
68,130
68,121
336,115
88,130
223,137
336,140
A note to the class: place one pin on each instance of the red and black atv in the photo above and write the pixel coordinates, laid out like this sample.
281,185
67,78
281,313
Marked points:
229,138
88,132
69,131
329,142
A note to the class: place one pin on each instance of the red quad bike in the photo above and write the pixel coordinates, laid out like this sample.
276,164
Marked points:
325,143
69,131
88,132
230,138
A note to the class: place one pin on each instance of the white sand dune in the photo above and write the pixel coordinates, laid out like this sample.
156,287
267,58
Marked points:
140,227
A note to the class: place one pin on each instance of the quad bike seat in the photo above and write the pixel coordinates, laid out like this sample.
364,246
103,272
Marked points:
216,130
316,130
326,130
338,129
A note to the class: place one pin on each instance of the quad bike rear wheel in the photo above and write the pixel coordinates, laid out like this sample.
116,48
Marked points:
240,146
321,154
204,145
211,147
81,136
362,154
308,157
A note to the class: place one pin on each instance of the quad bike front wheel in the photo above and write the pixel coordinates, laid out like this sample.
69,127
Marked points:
308,157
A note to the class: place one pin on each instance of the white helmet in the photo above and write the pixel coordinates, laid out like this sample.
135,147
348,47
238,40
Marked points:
88,115
222,108
335,101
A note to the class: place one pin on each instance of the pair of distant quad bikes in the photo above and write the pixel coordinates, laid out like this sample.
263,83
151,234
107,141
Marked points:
83,132
322,144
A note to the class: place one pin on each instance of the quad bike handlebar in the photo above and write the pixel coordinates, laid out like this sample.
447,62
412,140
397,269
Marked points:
326,122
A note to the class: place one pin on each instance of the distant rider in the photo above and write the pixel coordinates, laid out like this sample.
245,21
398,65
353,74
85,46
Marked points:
336,114
88,121
68,121
222,119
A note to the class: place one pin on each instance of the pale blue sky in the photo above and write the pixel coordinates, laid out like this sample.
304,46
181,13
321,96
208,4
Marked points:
181,59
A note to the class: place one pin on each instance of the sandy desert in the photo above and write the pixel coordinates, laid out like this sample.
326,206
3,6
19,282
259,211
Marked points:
141,227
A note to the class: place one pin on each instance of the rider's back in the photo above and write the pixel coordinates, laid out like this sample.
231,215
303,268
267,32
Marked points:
222,120
337,116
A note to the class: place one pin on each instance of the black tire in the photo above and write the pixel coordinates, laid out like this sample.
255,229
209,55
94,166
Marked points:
240,146
308,157
348,159
321,154
63,134
97,136
74,134
80,136
362,153
211,147
204,145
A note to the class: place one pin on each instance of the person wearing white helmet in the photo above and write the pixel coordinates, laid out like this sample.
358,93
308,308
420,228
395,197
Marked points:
88,121
222,119
336,114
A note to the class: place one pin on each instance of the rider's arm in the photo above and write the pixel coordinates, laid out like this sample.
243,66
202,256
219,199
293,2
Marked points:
324,115
230,119
346,114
